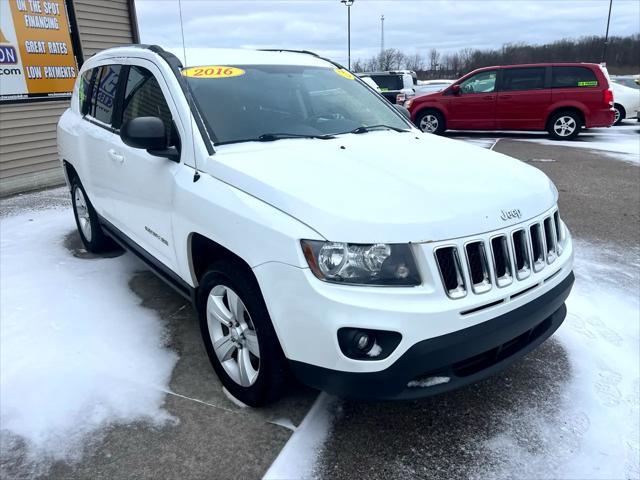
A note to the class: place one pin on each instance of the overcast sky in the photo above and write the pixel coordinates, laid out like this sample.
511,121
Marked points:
412,26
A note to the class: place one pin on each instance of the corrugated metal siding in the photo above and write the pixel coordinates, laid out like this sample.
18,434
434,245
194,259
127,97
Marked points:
28,156
102,24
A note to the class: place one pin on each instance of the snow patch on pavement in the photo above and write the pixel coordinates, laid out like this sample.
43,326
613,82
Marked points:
600,409
299,456
77,351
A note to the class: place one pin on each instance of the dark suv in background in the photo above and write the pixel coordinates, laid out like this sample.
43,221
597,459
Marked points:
396,86
560,98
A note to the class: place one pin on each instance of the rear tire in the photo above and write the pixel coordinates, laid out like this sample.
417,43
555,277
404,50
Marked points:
233,316
564,125
620,114
431,121
89,228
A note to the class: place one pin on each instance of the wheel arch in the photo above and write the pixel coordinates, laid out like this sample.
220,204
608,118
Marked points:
69,172
623,111
566,108
202,252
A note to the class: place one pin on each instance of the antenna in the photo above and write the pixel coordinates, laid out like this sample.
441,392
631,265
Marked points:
196,175
381,34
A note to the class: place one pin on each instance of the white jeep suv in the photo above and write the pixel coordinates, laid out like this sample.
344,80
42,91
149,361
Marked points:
317,232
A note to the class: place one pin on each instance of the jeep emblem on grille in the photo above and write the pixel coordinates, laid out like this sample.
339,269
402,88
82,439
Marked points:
510,214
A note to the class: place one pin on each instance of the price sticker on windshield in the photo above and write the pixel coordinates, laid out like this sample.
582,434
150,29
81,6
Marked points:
590,83
213,71
343,73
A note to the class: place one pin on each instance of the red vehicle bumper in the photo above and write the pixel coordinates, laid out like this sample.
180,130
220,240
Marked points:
600,118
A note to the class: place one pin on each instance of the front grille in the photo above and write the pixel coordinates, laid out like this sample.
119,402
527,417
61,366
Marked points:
478,267
504,258
451,271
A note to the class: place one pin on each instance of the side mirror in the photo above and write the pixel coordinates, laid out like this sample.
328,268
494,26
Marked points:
403,110
148,133
455,89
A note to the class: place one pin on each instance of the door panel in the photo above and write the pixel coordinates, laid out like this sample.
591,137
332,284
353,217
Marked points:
98,137
475,107
143,190
523,99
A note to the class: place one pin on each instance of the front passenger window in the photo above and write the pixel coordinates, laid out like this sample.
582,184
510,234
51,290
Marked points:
143,97
483,82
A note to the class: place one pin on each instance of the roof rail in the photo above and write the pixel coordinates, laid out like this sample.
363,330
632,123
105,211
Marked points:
288,50
307,52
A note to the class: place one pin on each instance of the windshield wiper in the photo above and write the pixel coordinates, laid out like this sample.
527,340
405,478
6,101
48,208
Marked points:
365,128
270,137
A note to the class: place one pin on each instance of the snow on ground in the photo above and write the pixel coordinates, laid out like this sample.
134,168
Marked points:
621,142
594,434
299,456
600,409
77,351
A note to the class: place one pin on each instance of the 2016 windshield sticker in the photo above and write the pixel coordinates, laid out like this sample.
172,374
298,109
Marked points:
213,71
590,83
343,73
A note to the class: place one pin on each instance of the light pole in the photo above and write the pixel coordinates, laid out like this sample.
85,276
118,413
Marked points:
606,36
348,3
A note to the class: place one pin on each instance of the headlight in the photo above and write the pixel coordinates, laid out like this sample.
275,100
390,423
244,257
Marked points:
376,264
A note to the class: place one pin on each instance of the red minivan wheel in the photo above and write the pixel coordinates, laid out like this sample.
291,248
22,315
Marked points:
431,121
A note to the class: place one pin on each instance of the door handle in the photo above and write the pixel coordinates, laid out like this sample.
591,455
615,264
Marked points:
116,156
505,96
488,97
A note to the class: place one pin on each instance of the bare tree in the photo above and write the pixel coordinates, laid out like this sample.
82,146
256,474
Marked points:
434,59
414,62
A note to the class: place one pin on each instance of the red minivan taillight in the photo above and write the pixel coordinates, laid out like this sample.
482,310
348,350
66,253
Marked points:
608,97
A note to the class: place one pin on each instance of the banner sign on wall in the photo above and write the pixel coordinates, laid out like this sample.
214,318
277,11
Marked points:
36,50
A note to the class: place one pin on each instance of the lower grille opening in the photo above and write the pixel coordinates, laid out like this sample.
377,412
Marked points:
522,292
482,307
489,358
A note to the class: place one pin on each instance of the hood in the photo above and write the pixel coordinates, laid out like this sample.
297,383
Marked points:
387,186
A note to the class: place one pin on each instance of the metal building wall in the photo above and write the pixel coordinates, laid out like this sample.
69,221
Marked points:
28,156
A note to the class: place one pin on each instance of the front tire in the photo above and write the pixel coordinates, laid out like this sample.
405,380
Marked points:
238,334
431,121
620,114
87,221
564,125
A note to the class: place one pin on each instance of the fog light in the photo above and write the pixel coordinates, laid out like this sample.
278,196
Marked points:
363,341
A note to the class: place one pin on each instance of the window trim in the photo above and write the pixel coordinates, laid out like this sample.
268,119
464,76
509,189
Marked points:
120,94
545,86
89,116
495,86
591,71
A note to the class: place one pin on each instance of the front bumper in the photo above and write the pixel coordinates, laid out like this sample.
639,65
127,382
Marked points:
465,356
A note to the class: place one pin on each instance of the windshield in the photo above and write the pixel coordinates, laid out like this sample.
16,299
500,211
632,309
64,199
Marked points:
259,100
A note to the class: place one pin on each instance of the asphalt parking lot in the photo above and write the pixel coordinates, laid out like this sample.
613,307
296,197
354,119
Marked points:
440,437
454,435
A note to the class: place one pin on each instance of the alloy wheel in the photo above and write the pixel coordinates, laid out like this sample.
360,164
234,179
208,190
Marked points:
564,126
616,117
82,211
233,335
429,123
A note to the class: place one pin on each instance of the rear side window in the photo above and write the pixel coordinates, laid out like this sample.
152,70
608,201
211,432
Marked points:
514,79
573,77
388,82
84,90
103,94
143,97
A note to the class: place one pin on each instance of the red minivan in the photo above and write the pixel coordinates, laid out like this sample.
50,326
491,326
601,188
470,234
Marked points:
560,98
